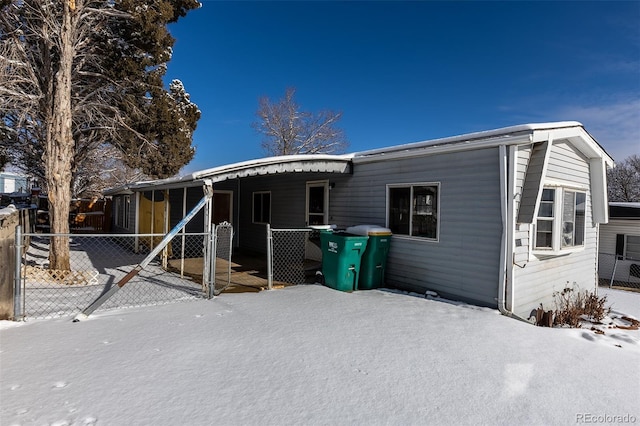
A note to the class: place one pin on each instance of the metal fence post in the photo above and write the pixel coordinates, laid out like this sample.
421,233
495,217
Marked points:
211,261
17,286
269,257
613,275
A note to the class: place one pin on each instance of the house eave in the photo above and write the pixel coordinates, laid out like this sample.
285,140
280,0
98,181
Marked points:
316,163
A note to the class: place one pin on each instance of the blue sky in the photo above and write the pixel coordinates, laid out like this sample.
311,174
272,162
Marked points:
403,72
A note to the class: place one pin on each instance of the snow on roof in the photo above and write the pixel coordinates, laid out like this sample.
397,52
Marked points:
500,133
336,163
325,163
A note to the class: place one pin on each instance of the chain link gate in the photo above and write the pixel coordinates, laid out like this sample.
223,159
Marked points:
220,268
291,255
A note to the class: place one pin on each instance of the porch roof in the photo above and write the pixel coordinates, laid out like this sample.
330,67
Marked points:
311,163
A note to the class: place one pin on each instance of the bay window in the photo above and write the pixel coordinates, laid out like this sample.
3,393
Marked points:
560,224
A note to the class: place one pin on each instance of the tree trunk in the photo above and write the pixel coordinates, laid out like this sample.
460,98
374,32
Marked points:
60,149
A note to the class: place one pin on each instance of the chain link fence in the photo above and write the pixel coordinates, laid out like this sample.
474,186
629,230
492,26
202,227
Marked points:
294,255
613,270
223,238
98,262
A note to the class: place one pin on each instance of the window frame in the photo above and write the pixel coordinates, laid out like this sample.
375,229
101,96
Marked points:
558,220
261,195
411,186
625,254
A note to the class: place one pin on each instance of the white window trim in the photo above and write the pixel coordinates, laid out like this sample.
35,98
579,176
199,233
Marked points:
411,185
253,209
317,184
557,248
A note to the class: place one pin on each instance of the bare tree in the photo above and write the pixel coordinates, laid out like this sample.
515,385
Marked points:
77,75
287,130
623,180
106,168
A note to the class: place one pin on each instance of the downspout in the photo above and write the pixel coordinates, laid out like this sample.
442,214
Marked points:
502,275
506,202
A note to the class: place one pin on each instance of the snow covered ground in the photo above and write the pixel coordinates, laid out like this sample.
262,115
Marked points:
312,355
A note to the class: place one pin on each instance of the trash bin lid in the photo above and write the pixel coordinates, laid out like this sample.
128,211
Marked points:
322,227
368,230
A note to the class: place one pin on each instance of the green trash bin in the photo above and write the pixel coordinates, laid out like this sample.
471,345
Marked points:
341,254
374,259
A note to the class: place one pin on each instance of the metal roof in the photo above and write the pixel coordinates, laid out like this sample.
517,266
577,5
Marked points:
324,163
320,163
521,134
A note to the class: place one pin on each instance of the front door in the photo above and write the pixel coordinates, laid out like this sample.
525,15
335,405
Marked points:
222,207
317,203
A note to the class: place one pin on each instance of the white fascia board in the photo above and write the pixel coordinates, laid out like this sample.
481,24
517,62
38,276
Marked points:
599,202
471,138
433,149
579,137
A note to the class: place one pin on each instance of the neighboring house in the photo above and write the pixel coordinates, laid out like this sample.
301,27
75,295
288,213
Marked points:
14,189
620,245
12,182
502,218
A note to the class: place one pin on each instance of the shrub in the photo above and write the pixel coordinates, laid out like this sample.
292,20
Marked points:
574,306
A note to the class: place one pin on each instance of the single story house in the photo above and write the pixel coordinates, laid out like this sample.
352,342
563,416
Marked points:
619,257
501,218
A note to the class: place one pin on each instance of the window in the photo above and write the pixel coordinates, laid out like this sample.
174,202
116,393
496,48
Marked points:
628,246
413,210
632,247
561,219
122,209
261,207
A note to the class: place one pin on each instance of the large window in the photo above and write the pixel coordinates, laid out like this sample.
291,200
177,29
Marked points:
261,207
413,210
561,219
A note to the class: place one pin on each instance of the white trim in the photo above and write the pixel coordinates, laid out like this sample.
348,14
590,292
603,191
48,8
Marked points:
317,184
502,136
568,185
556,248
545,166
433,148
511,224
253,206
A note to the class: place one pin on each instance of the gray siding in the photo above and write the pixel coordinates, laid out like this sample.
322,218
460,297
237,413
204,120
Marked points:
541,276
609,231
288,204
464,263
607,250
